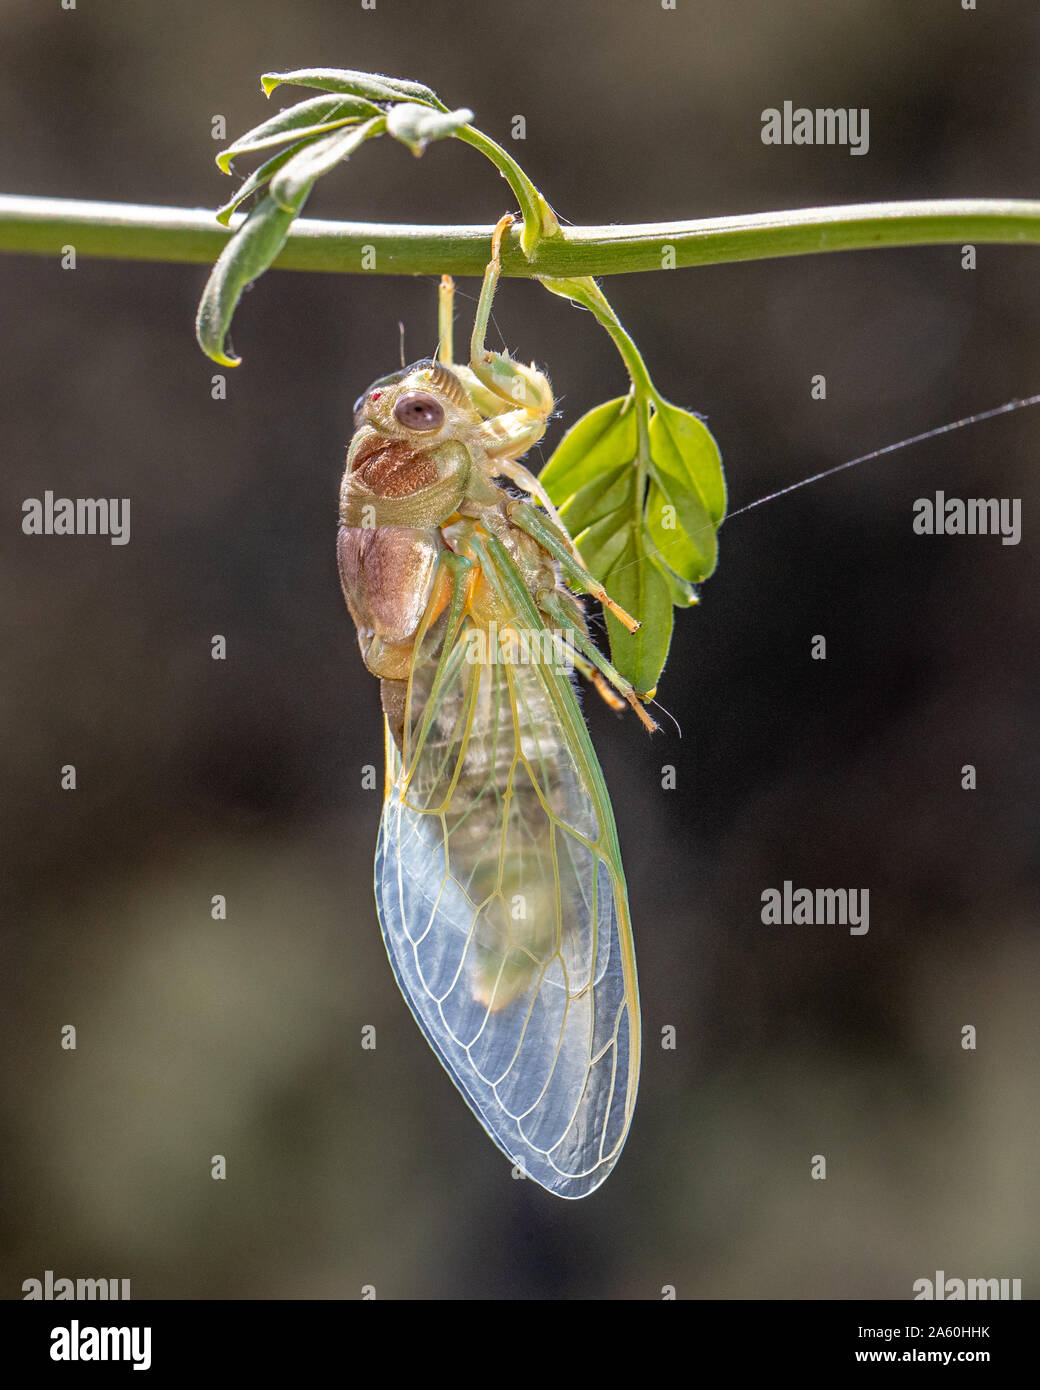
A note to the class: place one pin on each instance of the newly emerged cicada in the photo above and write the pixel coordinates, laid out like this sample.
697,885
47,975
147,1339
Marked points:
498,876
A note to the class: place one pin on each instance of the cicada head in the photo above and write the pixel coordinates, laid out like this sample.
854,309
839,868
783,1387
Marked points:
410,460
423,404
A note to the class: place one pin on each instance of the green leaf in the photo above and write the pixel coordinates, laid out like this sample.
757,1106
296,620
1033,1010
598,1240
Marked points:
373,85
638,585
247,255
257,179
647,551
686,467
593,479
601,545
669,542
684,595
614,490
613,549
415,125
595,444
312,117
291,184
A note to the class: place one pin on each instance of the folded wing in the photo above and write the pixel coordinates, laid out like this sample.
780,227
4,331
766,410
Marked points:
503,906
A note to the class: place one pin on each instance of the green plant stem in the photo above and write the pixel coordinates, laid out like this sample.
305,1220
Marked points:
586,292
534,209
128,231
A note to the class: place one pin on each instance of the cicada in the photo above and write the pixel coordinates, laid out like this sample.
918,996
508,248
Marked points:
498,877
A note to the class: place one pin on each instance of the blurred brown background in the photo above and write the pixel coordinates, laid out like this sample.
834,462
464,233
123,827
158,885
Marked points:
348,1168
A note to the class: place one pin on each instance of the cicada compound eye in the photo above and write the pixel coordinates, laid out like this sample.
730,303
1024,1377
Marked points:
418,410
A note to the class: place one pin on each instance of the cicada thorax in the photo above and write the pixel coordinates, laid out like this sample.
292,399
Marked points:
393,499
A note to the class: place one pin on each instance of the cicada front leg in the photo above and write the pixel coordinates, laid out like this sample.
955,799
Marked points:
523,394
508,431
516,400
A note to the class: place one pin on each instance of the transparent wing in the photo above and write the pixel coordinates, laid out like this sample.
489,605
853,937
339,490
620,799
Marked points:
503,905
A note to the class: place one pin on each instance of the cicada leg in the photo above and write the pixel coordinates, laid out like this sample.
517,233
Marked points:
495,382
478,352
525,480
557,606
531,520
446,320
523,399
554,606
599,683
